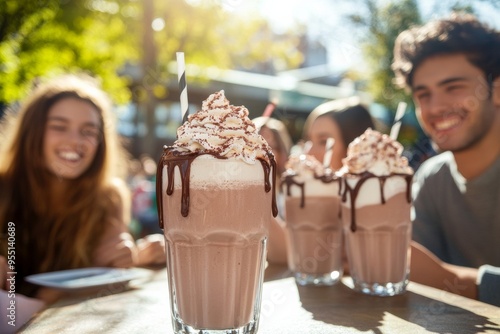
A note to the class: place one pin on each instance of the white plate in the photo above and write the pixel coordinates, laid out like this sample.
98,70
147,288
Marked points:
76,279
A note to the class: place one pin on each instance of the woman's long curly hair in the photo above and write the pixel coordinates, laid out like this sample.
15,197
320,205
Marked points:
46,239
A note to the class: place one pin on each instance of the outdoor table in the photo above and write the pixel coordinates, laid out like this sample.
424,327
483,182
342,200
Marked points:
143,307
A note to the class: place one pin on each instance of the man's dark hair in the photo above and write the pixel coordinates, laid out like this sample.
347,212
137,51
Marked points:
459,34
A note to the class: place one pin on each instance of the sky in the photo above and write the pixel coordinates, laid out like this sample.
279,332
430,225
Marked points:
324,19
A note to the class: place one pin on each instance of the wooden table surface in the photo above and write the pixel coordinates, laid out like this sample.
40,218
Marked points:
143,307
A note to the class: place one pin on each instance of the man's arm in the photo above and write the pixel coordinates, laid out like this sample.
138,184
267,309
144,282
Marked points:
426,268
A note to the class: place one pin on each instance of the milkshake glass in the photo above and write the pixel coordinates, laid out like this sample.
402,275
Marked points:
313,226
216,195
376,203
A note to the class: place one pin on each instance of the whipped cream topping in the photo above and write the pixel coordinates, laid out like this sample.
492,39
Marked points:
376,153
224,130
305,176
304,166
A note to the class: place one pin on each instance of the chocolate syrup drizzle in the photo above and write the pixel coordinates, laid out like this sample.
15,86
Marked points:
353,192
172,158
288,180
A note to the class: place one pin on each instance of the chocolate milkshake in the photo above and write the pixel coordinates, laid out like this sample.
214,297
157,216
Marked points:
376,202
313,226
215,198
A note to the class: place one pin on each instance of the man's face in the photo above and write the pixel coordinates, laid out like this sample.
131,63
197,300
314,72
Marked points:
454,104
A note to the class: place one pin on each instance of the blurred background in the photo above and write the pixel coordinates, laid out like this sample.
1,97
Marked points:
295,53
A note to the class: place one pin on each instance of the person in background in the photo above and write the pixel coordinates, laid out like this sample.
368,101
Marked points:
144,210
343,120
62,186
277,136
452,68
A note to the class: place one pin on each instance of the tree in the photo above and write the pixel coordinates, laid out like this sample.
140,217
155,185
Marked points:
213,36
43,38
383,25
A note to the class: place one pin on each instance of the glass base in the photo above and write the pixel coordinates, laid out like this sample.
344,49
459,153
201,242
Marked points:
182,328
318,279
383,290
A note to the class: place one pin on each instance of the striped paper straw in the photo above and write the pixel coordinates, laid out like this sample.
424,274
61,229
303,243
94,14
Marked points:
400,112
267,114
327,158
269,109
181,76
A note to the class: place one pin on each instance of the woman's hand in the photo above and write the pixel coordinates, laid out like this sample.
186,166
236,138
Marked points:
117,249
151,250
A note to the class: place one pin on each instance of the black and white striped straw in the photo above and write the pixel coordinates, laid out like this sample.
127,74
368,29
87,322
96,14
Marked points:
181,76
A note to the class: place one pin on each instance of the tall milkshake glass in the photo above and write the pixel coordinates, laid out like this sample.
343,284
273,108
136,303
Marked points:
215,187
313,225
375,212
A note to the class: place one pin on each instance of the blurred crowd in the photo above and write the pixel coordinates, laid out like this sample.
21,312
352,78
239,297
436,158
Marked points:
142,184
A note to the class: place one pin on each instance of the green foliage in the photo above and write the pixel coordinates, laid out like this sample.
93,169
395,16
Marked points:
211,36
51,39
384,24
41,38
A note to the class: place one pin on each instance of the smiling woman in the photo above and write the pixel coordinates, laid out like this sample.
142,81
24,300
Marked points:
61,185
71,139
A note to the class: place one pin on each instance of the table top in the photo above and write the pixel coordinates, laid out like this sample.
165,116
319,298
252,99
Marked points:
143,307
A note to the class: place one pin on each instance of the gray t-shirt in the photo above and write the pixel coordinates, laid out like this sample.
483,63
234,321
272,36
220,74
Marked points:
457,219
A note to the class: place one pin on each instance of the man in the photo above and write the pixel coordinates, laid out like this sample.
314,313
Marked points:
452,68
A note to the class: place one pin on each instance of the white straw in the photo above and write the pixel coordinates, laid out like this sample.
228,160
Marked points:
181,76
307,147
327,158
396,126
